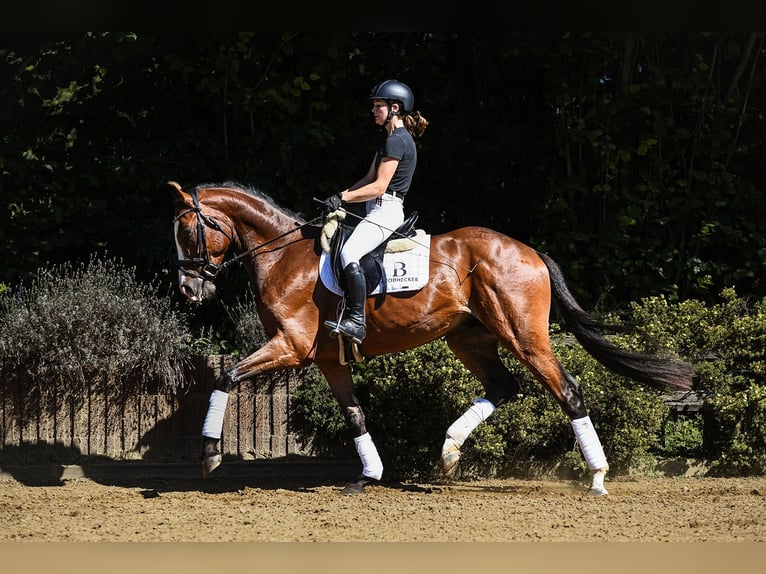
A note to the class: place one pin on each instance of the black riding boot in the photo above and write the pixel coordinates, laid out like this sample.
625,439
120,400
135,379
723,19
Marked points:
353,324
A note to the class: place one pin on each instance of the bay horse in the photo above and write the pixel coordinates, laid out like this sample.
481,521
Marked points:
484,289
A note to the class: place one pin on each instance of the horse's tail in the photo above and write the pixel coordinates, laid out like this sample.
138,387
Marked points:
658,372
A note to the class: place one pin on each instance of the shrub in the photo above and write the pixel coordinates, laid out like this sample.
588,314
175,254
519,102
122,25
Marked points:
683,435
409,399
727,343
740,429
316,419
249,332
79,327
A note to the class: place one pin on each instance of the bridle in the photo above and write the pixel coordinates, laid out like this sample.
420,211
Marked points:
207,269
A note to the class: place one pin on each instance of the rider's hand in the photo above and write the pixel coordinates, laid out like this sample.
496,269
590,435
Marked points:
333,202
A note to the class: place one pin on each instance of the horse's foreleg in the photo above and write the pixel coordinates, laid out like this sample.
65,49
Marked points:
342,387
372,465
279,353
213,425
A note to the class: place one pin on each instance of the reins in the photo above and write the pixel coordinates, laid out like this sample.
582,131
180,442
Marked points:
280,236
394,233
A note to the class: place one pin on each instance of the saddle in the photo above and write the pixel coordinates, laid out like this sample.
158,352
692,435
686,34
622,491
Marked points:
372,263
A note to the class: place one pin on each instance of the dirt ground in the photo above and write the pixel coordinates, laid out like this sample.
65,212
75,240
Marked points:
667,509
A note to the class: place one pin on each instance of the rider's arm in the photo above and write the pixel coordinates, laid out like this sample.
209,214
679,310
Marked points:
372,185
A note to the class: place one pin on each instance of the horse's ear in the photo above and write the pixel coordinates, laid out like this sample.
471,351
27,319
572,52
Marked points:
175,189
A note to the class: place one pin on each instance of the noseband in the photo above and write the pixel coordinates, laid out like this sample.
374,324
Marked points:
207,269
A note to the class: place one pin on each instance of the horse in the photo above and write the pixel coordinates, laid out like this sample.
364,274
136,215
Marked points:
483,290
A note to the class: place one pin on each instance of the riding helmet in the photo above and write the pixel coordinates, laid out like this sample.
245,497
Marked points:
394,90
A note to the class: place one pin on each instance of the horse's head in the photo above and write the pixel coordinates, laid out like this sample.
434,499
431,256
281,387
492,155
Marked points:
203,236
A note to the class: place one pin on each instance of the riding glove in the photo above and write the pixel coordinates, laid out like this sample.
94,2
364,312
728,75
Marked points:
333,202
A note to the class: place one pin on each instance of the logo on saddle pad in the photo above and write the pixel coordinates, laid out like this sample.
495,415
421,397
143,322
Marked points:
405,266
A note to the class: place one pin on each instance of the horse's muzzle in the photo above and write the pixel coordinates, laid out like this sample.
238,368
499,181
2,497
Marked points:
195,289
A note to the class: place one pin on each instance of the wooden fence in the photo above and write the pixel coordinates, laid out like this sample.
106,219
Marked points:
167,428
156,427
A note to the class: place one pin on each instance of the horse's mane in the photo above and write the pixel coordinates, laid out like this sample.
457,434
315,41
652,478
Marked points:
249,190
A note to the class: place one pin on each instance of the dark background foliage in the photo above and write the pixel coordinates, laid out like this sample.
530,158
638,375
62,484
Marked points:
634,159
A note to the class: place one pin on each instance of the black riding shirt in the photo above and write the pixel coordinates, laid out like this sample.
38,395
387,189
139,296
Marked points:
399,145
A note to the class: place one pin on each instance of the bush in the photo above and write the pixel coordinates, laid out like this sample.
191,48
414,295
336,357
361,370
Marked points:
683,435
316,419
408,405
740,429
249,332
409,399
727,343
82,327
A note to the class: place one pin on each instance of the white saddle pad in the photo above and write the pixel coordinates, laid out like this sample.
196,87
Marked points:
405,270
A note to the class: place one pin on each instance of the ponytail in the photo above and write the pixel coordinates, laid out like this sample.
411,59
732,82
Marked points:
415,123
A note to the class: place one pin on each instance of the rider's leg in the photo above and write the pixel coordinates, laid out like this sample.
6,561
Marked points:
384,215
353,323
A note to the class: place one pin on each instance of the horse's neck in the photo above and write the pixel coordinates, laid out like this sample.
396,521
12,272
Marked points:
270,234
259,222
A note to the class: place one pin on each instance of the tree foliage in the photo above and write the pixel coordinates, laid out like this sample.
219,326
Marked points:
635,159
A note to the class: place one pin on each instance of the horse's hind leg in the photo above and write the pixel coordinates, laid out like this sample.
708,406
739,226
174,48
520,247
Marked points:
562,385
477,350
585,432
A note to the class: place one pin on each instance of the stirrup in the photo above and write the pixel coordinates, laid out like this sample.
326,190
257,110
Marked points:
354,337
333,326
348,352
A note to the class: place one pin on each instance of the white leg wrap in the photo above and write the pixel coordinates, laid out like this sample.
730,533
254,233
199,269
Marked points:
590,446
372,466
478,412
214,419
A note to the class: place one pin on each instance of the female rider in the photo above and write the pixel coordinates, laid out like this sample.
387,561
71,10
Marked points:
383,189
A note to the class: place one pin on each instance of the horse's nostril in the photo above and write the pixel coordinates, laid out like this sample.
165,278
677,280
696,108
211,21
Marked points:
187,292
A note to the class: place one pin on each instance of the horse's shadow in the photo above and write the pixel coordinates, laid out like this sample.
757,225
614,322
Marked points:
301,474
292,474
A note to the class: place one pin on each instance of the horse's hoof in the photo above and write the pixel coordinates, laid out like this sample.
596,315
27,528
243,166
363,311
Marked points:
450,455
356,486
449,462
597,487
210,463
